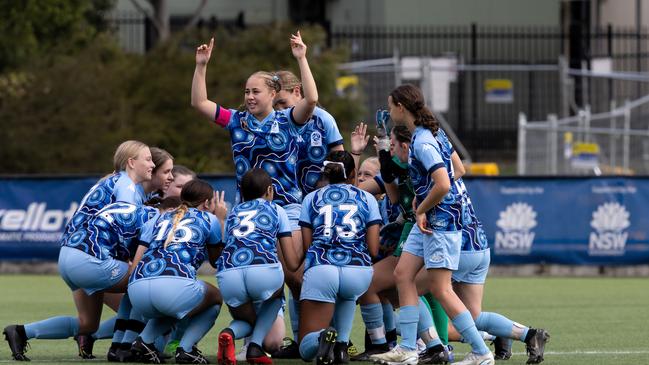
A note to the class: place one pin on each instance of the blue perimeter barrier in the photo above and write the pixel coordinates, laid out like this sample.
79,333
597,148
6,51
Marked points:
573,221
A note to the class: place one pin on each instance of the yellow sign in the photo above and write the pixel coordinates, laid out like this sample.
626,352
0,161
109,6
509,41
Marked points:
346,84
583,148
499,91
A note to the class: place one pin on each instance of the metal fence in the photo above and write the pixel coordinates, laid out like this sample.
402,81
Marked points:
527,56
615,142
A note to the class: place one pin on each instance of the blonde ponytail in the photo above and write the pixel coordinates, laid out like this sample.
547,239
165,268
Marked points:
180,213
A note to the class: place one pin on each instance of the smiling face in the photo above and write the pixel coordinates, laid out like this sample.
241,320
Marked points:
369,168
162,177
142,165
258,97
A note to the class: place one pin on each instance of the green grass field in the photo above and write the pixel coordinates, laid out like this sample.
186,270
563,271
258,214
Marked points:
591,320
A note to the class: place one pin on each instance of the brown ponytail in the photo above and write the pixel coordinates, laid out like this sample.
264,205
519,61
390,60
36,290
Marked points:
413,100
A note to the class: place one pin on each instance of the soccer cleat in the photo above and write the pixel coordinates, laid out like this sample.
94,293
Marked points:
326,343
352,350
193,357
289,350
434,355
85,344
256,355
451,355
145,352
474,359
371,350
241,355
17,340
341,353
535,346
225,353
397,356
502,348
120,352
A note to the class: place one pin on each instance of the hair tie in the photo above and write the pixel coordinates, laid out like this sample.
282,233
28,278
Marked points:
335,163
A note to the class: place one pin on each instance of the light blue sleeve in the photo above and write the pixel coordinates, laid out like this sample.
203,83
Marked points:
332,134
305,216
428,153
284,225
373,206
146,235
215,230
127,191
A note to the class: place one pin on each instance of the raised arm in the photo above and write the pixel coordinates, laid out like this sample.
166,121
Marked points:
304,108
199,89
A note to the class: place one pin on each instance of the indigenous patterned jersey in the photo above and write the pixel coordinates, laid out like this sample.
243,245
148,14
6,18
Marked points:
117,187
112,231
339,216
426,156
473,235
315,139
270,144
252,230
185,252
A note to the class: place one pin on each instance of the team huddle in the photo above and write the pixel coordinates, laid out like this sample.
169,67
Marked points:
397,231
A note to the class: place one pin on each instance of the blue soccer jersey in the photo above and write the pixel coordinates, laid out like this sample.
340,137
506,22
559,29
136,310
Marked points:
117,187
270,144
315,139
473,235
426,156
187,249
252,230
339,216
111,231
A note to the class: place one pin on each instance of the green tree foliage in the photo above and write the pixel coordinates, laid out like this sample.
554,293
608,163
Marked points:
66,112
31,28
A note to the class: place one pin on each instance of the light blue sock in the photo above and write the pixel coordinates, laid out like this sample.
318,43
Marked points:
498,325
294,312
344,318
155,327
131,333
240,329
464,324
266,316
106,329
373,318
425,323
388,317
309,345
199,325
123,312
53,328
408,319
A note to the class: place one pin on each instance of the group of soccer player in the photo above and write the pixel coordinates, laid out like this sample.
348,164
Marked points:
397,231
